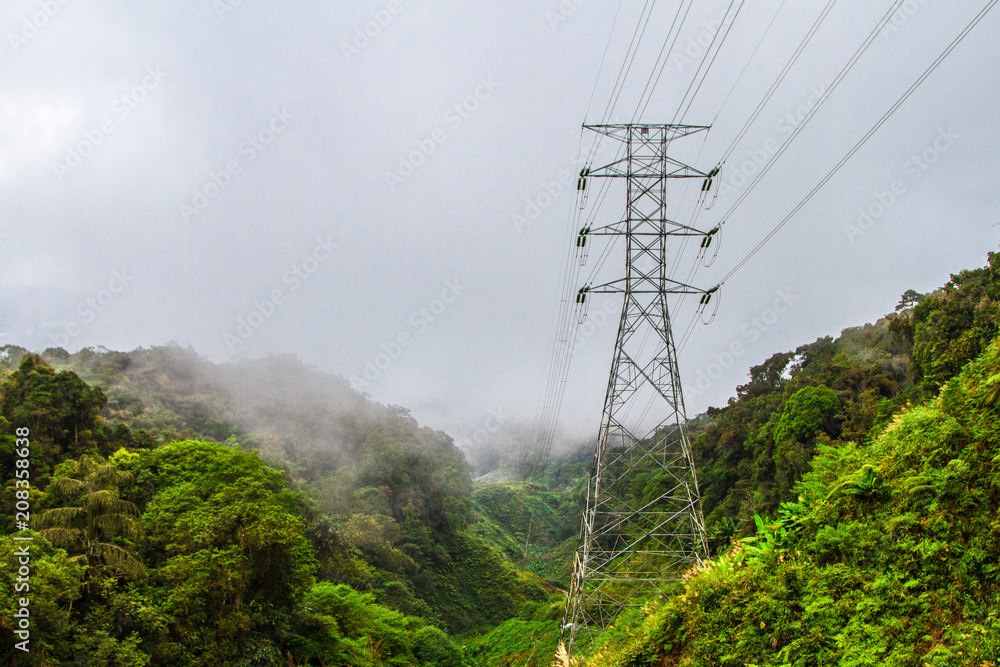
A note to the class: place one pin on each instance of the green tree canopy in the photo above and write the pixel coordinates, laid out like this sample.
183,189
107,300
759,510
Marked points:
58,407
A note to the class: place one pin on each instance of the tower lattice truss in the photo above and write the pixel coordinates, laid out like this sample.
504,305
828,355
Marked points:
643,524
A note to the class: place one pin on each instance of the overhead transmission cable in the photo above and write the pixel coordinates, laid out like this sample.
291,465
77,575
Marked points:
553,403
777,82
749,60
859,52
607,46
868,135
792,60
712,61
565,328
697,81
651,83
679,117
695,84
624,70
664,54
696,213
815,108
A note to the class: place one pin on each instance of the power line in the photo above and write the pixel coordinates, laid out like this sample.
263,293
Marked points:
749,60
798,129
565,334
600,69
777,82
812,112
712,62
875,128
779,79
629,60
689,330
633,48
663,49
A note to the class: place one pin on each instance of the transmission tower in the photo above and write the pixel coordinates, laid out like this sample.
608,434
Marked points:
643,524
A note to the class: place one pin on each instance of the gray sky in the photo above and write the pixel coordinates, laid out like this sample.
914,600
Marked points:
218,174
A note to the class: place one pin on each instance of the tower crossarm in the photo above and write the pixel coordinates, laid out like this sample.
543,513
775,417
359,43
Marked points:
620,228
669,131
646,155
621,286
640,167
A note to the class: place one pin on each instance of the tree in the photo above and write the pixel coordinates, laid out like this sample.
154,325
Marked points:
55,586
91,527
807,412
955,324
228,557
909,299
346,627
59,408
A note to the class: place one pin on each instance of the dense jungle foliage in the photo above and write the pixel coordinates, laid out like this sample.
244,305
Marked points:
161,535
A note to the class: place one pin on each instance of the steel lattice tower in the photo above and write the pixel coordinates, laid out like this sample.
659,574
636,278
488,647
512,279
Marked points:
633,541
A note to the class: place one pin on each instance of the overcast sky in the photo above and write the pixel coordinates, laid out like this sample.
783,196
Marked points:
334,180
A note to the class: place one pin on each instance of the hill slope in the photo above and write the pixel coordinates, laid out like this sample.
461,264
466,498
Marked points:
751,452
349,542
889,555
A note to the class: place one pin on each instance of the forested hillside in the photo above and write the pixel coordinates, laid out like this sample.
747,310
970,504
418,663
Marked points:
163,537
751,453
852,489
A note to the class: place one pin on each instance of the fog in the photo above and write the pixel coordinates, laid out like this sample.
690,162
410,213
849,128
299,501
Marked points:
383,189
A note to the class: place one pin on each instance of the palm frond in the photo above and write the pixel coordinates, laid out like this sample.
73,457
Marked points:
119,524
62,535
106,501
109,476
119,559
66,485
60,516
561,657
